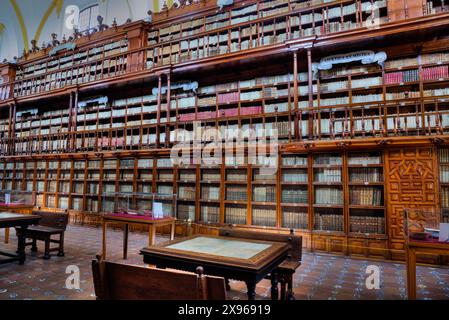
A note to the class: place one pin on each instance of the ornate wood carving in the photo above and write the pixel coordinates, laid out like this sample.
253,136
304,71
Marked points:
411,183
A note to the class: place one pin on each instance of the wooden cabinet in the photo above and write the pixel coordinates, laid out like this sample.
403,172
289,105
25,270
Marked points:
356,142
7,76
405,9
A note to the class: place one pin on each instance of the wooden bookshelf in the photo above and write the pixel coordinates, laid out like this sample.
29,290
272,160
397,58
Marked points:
366,193
358,142
444,183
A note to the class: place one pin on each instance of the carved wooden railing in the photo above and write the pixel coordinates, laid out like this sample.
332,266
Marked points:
425,118
262,32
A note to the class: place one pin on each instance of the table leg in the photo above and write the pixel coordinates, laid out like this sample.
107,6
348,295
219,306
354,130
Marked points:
7,235
228,286
283,290
172,233
152,235
21,245
251,286
274,286
411,273
125,241
104,241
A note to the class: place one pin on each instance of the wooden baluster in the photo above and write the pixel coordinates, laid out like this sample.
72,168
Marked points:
342,18
363,122
313,23
351,123
420,119
325,15
396,122
346,126
332,123
438,119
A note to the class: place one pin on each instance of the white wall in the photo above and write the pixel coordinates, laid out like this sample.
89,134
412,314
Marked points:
32,11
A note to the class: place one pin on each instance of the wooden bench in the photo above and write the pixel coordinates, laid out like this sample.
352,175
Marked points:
116,281
51,224
284,273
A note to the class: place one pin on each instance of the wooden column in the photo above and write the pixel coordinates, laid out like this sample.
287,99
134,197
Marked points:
296,98
137,39
70,147
73,119
12,129
159,99
310,77
167,127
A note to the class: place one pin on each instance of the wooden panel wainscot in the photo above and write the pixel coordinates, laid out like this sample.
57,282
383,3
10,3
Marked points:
412,183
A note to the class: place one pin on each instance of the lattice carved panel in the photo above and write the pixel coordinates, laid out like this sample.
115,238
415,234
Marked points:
411,183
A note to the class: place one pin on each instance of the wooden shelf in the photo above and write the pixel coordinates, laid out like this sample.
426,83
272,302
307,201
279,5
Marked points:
337,115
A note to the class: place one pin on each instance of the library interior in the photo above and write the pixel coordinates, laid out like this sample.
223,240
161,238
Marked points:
234,149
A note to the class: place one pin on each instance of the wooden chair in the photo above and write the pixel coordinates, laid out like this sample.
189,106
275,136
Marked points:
284,273
115,281
51,224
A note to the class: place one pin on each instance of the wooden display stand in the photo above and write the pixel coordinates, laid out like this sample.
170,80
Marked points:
130,220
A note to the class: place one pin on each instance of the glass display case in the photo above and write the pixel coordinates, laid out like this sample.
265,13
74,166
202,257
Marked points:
425,225
13,198
153,205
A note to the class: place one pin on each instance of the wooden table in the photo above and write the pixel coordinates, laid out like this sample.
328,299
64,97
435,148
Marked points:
16,208
232,258
126,220
16,220
414,247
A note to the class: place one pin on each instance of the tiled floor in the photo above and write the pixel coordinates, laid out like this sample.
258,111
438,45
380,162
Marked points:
320,277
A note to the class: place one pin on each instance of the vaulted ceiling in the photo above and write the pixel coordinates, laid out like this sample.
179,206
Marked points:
24,20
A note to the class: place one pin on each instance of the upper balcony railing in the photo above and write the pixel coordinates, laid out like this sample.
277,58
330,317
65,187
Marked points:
423,117
253,30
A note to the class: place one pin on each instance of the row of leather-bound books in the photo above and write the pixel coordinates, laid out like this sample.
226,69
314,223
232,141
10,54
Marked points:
235,214
365,175
294,195
186,212
329,222
296,220
366,196
210,214
264,193
367,224
187,192
264,216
